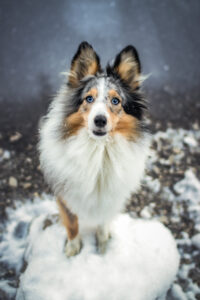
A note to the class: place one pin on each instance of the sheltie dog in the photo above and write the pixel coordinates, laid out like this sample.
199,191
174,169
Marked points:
93,142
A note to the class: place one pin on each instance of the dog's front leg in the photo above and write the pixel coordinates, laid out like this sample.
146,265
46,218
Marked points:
70,221
103,236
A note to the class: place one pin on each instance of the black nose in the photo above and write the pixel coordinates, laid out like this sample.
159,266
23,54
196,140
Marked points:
100,121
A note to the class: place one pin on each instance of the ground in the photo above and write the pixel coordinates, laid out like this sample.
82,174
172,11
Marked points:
175,157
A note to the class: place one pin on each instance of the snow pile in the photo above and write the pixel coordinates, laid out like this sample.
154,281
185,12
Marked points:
141,260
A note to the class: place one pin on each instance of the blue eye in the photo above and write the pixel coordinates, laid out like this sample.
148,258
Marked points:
89,99
115,101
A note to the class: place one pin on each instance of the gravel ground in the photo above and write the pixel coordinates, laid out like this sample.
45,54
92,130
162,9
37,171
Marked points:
171,194
173,154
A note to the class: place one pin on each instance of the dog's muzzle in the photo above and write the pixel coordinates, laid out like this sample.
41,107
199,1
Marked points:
100,122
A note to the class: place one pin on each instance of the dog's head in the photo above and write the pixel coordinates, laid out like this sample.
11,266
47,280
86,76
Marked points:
105,102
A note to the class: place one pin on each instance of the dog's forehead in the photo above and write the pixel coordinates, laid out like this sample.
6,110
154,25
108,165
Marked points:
103,84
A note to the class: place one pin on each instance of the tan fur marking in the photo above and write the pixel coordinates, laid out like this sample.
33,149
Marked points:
114,94
79,119
126,68
84,65
122,123
73,124
93,68
69,220
116,109
92,92
125,125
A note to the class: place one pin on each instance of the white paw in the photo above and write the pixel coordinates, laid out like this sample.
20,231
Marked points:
73,247
102,246
103,237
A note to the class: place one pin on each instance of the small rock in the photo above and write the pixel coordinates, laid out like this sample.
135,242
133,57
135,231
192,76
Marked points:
35,194
27,185
158,125
165,162
195,126
29,160
6,154
190,141
176,150
13,181
17,136
164,219
171,159
146,212
156,169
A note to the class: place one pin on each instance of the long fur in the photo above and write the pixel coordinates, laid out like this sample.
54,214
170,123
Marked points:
95,177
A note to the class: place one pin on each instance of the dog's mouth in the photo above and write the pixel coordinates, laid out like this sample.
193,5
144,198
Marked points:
99,133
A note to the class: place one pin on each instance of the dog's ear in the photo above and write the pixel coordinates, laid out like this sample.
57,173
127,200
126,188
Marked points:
127,67
85,62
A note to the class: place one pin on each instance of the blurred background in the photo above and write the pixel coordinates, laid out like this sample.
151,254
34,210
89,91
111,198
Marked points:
39,38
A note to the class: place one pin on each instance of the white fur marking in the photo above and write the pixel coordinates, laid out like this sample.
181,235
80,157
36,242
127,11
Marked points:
102,91
95,177
103,236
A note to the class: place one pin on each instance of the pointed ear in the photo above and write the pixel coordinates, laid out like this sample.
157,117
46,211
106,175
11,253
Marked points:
127,67
85,62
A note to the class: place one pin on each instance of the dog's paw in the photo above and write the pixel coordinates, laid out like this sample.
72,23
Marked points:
103,236
73,247
102,246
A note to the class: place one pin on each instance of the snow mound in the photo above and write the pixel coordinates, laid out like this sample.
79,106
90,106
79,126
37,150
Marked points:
140,263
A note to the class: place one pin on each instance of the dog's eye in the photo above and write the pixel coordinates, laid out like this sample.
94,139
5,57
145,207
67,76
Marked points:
89,99
115,101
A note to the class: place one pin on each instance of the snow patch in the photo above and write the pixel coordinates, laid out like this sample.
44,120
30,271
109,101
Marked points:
141,259
5,155
177,143
177,293
189,191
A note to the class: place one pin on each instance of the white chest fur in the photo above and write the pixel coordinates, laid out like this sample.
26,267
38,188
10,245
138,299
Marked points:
95,178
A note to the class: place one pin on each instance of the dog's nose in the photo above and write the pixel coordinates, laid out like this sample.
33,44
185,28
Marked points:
100,121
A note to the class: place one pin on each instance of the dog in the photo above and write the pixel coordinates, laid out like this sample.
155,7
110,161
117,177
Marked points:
93,142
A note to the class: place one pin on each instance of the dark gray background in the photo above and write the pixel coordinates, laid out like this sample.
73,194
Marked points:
39,38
